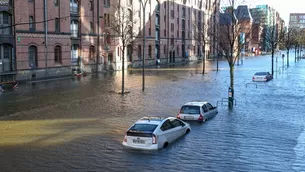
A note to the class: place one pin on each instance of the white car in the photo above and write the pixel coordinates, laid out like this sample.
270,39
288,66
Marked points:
152,133
262,77
197,111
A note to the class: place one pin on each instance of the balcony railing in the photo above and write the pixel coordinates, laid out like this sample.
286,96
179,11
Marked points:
74,33
73,10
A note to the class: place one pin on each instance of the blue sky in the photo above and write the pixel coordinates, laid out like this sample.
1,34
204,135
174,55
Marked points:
283,7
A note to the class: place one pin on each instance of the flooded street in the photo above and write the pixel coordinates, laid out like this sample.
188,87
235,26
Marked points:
78,124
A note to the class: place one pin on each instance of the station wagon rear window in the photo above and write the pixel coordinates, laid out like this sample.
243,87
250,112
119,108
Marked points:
261,73
143,128
187,109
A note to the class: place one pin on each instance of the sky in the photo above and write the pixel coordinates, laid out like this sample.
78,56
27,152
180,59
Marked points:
282,6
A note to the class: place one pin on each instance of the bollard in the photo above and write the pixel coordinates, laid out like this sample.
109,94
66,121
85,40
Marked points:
230,97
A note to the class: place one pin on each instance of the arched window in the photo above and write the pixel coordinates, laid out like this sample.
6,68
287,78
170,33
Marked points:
91,52
33,62
139,51
130,15
57,55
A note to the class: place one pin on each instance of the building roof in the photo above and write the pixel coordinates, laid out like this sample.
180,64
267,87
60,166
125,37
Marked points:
226,18
243,13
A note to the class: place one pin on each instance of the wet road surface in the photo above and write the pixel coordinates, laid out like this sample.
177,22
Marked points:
79,124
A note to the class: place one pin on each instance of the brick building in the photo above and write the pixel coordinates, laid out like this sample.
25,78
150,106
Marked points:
59,37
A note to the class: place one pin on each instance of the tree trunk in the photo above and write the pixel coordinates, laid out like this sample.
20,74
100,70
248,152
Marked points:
288,57
272,60
123,70
295,54
231,88
203,64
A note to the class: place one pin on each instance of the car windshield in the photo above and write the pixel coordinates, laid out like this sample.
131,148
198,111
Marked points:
261,73
143,127
190,109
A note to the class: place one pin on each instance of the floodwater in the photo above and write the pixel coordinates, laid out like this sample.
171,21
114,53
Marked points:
79,124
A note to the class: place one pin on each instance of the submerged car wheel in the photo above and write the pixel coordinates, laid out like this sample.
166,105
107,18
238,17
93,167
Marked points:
187,131
165,145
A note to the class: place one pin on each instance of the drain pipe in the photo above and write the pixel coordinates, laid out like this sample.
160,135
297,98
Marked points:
46,35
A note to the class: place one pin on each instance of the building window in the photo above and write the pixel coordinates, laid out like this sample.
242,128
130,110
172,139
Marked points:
6,52
164,32
74,28
56,3
5,18
74,6
177,50
139,51
31,23
57,54
91,52
129,2
149,31
164,18
107,40
172,27
149,51
107,3
106,19
194,49
91,5
91,27
157,19
33,62
172,40
130,14
57,25
164,50
172,13
177,33
157,34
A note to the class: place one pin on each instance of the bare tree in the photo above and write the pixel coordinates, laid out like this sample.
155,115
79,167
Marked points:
273,37
234,35
121,23
289,40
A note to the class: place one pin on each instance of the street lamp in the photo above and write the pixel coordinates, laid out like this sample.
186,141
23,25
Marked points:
144,41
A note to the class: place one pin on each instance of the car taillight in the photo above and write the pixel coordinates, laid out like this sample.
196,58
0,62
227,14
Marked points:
154,139
178,116
125,138
200,118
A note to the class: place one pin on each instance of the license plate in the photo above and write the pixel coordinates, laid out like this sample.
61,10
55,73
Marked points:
188,117
138,141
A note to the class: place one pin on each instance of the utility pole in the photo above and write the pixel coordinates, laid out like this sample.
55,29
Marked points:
144,46
98,35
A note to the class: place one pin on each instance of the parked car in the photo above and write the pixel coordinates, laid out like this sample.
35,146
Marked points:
152,133
197,111
262,77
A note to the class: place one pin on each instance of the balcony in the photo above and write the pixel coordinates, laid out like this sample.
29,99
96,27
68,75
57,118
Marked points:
74,34
74,10
158,8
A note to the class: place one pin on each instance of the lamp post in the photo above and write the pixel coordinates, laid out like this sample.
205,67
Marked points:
143,5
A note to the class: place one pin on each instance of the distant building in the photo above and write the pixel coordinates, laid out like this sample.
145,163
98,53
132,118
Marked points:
297,20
